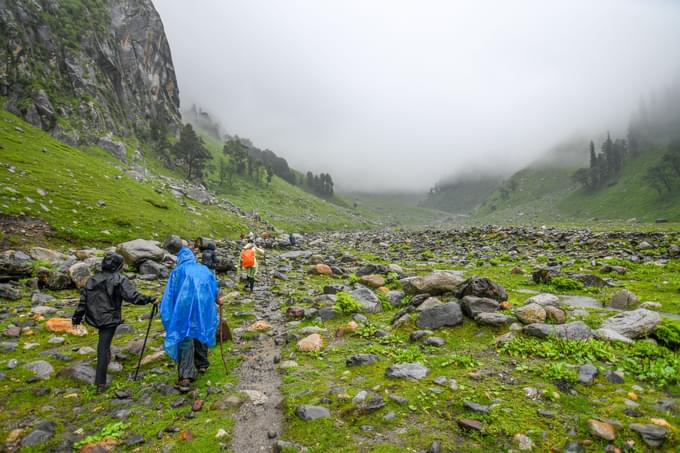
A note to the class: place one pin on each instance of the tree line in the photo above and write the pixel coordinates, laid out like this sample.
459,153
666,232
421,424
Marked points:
239,158
655,125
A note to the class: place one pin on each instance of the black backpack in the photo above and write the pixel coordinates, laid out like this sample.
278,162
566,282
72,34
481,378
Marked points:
102,309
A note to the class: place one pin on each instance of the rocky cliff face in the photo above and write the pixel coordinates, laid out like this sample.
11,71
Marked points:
85,69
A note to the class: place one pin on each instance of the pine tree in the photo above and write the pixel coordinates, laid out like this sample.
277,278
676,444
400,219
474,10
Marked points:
191,151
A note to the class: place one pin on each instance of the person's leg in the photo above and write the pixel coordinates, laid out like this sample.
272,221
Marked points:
103,354
186,370
201,356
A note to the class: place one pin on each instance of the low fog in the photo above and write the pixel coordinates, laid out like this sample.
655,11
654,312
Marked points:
393,95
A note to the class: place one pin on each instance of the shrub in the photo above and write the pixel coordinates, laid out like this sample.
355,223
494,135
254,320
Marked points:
668,333
566,283
346,304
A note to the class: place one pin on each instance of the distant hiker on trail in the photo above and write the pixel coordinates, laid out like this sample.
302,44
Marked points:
189,314
249,262
291,239
100,305
209,257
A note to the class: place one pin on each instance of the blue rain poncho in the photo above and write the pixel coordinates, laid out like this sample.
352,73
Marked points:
188,308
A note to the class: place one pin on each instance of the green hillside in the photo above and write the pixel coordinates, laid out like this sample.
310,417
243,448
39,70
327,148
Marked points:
531,195
462,196
550,195
86,196
395,209
283,204
629,197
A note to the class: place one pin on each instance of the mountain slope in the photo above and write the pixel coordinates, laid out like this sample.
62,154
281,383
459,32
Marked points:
87,196
84,69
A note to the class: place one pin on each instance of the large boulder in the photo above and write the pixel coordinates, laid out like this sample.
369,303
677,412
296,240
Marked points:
140,250
572,331
80,274
153,268
482,287
543,299
531,314
494,319
439,316
611,335
413,371
367,299
633,324
15,264
434,284
54,280
624,300
47,255
472,306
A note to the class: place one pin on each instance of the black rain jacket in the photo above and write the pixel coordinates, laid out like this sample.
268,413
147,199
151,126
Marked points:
102,298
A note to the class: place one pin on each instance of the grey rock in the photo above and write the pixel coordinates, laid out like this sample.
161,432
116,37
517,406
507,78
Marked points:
435,341
372,404
611,335
414,371
543,299
308,412
80,274
472,306
41,368
652,435
9,292
482,287
15,264
39,298
494,319
530,314
367,299
79,372
624,300
418,334
43,310
149,267
577,330
139,250
40,434
448,314
362,359
633,324
434,284
615,377
587,373
395,297
428,303
476,407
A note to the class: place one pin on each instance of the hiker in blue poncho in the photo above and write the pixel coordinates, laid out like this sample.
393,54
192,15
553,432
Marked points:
189,313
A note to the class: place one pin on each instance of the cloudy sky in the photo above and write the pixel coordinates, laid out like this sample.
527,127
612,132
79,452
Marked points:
391,94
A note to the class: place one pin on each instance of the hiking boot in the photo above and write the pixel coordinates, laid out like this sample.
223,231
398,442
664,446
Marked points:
101,388
203,370
183,385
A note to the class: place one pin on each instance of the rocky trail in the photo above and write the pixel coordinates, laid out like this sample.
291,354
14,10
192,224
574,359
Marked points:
259,420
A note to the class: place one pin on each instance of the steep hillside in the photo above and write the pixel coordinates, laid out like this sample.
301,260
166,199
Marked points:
283,204
395,210
85,195
629,197
84,69
530,195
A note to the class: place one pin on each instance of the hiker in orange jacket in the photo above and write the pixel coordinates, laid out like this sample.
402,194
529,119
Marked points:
248,261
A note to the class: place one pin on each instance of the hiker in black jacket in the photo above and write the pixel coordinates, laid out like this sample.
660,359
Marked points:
100,305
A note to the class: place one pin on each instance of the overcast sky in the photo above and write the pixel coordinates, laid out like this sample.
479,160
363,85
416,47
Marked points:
395,94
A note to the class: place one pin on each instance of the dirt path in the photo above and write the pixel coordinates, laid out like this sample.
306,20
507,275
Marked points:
260,419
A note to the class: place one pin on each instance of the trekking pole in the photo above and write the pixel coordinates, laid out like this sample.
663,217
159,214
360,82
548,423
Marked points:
154,308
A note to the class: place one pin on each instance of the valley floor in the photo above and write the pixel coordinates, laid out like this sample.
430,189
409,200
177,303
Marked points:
395,370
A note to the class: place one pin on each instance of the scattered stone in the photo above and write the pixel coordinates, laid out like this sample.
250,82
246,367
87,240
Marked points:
321,269
633,324
367,299
611,335
448,314
474,407
587,373
523,442
41,368
435,341
530,314
494,319
137,251
80,274
313,342
372,281
615,377
362,359
544,299
80,372
652,435
64,325
555,315
9,292
624,300
482,287
259,326
602,429
308,412
577,330
414,371
474,425
256,397
434,284
473,306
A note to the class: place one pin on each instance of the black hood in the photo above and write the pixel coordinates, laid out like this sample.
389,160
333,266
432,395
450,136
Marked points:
112,262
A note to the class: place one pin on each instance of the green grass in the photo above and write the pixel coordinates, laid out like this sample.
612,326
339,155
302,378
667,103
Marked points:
76,179
629,197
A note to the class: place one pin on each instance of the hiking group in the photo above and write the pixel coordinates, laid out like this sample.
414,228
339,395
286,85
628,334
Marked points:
188,307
